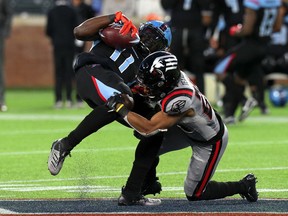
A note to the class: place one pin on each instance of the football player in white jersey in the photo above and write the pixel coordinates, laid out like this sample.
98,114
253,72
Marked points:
187,119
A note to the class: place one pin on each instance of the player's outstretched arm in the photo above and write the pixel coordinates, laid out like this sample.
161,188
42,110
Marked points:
89,29
161,121
158,123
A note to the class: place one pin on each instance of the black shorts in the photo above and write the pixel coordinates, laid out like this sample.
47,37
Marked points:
242,58
96,84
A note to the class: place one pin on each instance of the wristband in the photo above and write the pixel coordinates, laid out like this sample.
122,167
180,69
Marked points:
122,111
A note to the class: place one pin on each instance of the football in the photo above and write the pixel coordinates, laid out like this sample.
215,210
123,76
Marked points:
111,36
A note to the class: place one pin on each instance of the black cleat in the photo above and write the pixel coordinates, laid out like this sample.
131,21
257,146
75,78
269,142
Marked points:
250,183
57,156
153,188
141,201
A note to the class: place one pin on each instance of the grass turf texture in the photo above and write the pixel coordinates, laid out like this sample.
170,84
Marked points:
99,166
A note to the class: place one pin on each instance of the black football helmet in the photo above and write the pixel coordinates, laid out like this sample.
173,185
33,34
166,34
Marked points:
154,36
158,74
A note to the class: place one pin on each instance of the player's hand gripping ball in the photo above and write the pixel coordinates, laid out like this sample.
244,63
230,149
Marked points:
113,38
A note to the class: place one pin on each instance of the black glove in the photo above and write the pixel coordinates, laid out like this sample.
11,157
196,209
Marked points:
116,103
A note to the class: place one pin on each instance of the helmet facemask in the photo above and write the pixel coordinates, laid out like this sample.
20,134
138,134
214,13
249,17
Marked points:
152,37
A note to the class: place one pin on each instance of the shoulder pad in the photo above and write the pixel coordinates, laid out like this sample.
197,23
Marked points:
177,101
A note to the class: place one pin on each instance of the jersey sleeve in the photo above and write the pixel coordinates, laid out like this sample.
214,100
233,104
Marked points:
254,5
177,102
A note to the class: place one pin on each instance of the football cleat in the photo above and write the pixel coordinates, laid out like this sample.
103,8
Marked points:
153,188
141,201
249,105
230,120
250,183
57,156
3,108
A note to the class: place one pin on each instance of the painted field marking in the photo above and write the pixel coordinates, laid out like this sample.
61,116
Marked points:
125,176
101,189
58,117
132,148
5,211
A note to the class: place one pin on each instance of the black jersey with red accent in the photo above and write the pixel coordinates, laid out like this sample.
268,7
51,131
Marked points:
204,125
267,11
124,62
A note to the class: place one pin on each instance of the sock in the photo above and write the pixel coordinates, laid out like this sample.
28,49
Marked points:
256,82
151,175
229,101
145,155
218,190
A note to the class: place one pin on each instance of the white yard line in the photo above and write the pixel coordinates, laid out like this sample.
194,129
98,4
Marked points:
78,150
101,189
132,148
58,117
5,183
5,211
41,117
36,185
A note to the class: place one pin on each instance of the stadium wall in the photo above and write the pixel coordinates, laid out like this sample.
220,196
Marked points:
28,54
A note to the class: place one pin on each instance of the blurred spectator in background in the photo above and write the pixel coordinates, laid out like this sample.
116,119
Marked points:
84,11
5,28
189,20
61,21
97,7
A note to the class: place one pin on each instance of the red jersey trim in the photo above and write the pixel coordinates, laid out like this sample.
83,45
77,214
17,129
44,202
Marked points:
97,89
180,92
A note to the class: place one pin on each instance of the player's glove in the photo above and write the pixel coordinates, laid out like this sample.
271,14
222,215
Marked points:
235,29
127,24
116,103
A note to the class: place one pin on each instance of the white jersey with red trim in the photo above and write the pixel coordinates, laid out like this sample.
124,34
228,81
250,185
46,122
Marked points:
204,125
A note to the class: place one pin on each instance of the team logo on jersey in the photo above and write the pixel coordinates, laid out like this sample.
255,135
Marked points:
178,106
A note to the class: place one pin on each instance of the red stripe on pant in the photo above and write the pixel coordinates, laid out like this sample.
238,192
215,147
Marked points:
209,170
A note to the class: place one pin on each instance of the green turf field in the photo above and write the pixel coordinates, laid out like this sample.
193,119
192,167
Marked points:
100,165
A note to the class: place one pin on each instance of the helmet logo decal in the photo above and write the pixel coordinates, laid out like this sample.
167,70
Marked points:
163,27
159,72
168,62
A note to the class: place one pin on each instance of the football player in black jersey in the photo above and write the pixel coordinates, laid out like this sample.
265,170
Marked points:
232,12
243,60
104,71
